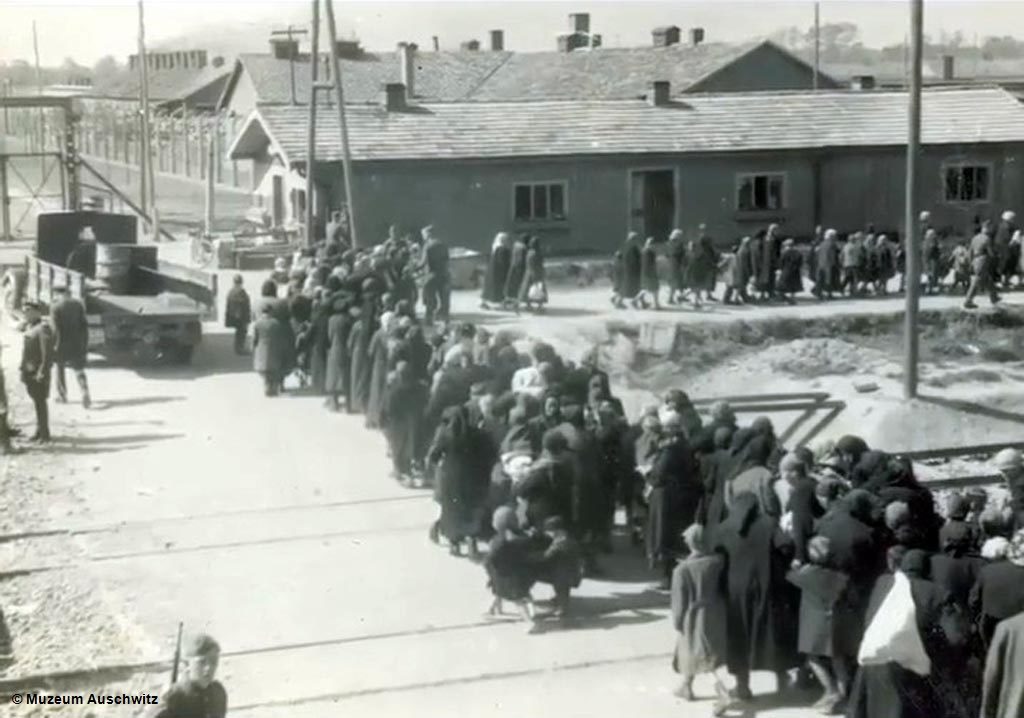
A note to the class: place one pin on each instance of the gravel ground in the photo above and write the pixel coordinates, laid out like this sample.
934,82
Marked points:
59,620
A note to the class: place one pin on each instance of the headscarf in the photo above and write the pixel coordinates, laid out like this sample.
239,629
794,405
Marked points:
957,507
500,239
870,468
995,549
915,564
504,519
853,445
722,413
860,505
695,538
1015,552
758,451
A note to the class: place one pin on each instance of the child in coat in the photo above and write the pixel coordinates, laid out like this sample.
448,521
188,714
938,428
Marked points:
508,565
561,566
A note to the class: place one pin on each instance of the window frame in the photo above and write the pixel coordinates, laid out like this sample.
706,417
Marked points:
533,185
961,165
741,176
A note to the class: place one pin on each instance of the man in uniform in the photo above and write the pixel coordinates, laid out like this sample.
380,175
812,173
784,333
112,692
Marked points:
71,342
36,363
1011,465
437,289
199,695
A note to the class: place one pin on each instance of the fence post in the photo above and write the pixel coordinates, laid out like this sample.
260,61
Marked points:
159,144
174,145
187,124
218,143
203,169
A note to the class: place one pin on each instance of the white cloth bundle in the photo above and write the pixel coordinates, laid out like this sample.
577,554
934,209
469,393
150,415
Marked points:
892,635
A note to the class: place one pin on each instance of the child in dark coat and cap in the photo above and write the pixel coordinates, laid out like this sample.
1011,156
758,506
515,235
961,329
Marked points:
199,695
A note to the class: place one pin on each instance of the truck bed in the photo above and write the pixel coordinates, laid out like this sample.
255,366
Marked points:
163,305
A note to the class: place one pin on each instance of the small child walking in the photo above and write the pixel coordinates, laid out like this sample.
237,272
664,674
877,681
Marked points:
508,566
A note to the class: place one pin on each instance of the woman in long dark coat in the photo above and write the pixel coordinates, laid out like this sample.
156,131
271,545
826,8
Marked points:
790,271
534,276
703,267
674,490
631,260
516,268
319,343
497,272
677,266
762,607
649,281
757,263
337,373
464,457
378,353
405,400
359,363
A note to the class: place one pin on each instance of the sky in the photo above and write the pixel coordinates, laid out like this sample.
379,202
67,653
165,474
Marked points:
89,29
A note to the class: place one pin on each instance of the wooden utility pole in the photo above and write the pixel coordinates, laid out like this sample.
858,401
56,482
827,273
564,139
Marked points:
148,177
211,177
817,42
289,32
311,129
913,238
346,154
39,91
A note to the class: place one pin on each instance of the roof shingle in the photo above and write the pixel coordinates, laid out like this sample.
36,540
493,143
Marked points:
696,124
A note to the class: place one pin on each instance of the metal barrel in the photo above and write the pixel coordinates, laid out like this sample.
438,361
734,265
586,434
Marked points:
113,266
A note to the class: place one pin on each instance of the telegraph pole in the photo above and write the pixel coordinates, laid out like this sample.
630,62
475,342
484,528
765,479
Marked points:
342,123
311,129
39,91
913,238
148,178
817,42
289,32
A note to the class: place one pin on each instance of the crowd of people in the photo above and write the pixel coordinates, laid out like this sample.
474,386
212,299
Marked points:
834,563
767,267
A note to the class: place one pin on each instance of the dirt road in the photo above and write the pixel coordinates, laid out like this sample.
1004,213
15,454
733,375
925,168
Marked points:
271,523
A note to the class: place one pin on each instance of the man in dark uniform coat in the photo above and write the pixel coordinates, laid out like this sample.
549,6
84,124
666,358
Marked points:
199,695
71,342
36,365
437,289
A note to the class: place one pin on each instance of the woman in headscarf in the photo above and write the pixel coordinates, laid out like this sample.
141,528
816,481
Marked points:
384,341
534,290
894,691
762,606
678,401
550,416
677,266
360,368
463,456
497,271
516,270
338,371
616,467
673,493
649,281
743,270
631,261
932,253
790,268
757,273
405,400
703,267
755,478
547,490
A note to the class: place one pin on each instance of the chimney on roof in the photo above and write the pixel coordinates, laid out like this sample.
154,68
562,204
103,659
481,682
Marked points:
579,22
660,94
696,36
407,60
572,41
470,46
395,97
862,82
437,43
284,49
948,67
497,40
665,36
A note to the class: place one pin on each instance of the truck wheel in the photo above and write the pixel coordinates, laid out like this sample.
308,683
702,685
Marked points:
144,353
182,354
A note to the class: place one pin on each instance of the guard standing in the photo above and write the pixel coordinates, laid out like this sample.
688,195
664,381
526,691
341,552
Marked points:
71,342
36,365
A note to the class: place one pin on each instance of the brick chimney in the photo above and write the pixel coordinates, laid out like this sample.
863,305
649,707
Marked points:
660,93
395,97
948,67
407,65
497,40
696,36
284,49
862,82
579,22
665,36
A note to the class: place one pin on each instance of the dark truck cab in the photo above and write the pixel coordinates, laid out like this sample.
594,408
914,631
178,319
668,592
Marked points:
138,306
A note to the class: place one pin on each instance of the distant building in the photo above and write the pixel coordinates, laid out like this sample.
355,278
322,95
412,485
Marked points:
581,173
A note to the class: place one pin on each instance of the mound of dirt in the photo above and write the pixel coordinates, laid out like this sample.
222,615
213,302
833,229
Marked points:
819,357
